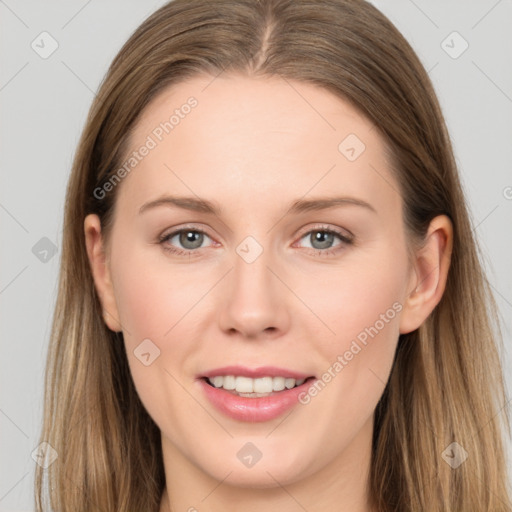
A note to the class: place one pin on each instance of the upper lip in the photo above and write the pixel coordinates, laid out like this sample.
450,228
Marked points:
254,373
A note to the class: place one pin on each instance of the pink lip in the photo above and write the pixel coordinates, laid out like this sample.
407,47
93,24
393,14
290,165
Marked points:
254,373
253,409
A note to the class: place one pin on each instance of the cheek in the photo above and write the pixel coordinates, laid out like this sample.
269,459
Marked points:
361,307
153,298
362,297
153,305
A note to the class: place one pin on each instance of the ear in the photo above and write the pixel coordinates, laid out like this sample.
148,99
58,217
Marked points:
430,266
100,271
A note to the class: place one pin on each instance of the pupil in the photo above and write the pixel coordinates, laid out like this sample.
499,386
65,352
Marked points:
191,237
324,244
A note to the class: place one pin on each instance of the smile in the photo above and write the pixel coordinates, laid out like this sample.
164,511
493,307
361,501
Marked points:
253,394
254,388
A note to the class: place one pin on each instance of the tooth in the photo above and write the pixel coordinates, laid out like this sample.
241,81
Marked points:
278,383
217,381
289,383
263,385
229,382
244,385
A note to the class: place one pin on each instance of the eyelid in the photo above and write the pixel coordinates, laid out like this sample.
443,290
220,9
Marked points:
167,234
342,232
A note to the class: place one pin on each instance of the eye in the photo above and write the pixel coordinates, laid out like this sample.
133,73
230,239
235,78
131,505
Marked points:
189,238
322,239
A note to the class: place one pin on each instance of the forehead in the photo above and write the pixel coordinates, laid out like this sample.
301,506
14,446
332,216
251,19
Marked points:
262,105
234,137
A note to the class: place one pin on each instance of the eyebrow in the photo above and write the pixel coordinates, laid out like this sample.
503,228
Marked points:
299,206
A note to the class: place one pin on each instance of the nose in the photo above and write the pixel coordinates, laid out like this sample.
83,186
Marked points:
255,300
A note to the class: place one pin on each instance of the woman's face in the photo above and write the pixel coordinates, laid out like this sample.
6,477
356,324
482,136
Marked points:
259,234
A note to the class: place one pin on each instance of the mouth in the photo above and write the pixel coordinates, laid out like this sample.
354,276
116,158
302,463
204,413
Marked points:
259,387
254,394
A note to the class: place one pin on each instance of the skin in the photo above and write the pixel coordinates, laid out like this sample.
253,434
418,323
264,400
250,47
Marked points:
254,146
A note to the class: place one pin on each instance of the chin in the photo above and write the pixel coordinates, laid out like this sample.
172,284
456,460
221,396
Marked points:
260,463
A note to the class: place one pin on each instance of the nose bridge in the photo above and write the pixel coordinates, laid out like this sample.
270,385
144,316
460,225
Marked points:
251,273
256,299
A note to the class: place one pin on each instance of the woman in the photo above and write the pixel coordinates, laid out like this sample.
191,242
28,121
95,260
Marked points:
250,371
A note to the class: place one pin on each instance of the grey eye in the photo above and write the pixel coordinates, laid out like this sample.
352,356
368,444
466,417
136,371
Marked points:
190,239
322,239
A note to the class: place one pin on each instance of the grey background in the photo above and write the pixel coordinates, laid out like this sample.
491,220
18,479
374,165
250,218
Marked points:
44,105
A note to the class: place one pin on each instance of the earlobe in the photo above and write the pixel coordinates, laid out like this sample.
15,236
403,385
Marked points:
100,271
431,265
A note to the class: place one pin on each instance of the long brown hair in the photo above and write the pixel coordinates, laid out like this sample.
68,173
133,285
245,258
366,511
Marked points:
446,383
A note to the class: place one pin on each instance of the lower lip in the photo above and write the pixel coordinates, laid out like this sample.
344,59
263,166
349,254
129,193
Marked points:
254,410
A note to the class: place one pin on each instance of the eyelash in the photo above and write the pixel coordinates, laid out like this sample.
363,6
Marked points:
346,240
